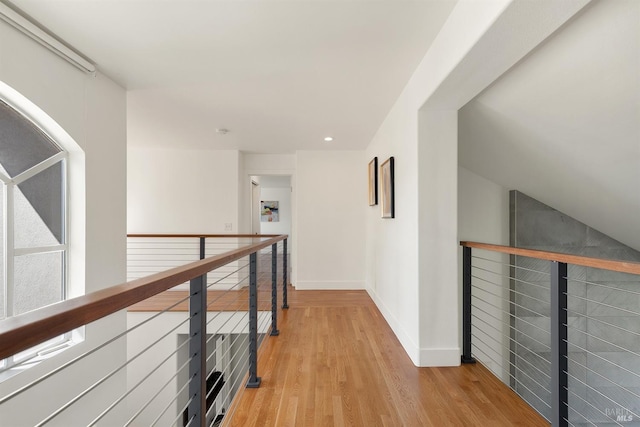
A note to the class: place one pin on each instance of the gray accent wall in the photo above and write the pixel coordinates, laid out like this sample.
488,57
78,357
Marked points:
604,331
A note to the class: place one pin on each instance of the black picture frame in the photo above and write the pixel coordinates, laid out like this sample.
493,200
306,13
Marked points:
387,184
373,182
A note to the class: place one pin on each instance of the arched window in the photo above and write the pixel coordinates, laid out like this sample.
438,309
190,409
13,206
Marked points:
33,221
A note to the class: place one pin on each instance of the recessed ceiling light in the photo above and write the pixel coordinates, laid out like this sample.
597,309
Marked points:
328,138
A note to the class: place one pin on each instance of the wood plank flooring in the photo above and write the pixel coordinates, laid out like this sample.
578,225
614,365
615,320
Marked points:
336,362
220,300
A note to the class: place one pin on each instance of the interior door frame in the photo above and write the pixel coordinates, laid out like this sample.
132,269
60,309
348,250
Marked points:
255,210
292,243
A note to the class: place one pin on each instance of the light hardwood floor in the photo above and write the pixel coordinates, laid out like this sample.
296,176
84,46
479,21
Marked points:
336,362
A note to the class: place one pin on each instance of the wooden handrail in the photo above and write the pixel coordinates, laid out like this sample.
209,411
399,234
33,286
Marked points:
613,265
26,330
254,236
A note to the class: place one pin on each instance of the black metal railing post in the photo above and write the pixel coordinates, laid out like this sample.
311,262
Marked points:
559,350
285,305
202,254
254,380
466,306
274,290
197,348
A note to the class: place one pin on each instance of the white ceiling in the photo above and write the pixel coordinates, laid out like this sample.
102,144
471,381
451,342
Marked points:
280,75
563,126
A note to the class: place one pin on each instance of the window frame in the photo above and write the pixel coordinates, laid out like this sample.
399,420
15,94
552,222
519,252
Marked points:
51,347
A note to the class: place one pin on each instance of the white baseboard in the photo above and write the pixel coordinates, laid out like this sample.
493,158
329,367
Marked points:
421,357
405,340
437,357
329,285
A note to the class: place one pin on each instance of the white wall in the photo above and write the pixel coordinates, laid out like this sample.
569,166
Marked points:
182,191
193,191
419,296
483,216
91,109
483,209
396,284
392,244
568,116
331,201
269,164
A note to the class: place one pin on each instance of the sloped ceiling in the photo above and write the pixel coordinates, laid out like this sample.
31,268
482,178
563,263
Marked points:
280,75
563,126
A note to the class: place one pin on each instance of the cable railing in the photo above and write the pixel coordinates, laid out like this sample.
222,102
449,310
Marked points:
561,330
183,337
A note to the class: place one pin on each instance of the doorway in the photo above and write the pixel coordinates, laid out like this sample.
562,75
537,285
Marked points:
255,205
271,209
271,204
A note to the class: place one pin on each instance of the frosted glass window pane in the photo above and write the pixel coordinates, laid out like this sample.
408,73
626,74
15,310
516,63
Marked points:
22,144
38,281
38,207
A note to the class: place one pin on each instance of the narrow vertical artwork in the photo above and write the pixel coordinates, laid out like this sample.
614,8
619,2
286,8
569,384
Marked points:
388,192
373,182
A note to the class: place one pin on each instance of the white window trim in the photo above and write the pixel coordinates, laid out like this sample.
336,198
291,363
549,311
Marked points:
14,364
45,164
73,275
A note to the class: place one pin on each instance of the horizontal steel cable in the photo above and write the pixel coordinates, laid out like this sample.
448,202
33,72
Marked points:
511,339
134,387
607,360
519,267
605,305
510,314
145,406
585,418
520,357
545,388
601,394
596,319
586,282
82,356
505,276
508,290
517,381
106,377
636,395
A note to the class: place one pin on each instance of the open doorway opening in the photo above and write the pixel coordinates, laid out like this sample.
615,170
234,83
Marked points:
271,208
271,204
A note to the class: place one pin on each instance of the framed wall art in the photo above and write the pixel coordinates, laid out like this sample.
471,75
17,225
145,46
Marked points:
269,211
373,182
387,188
